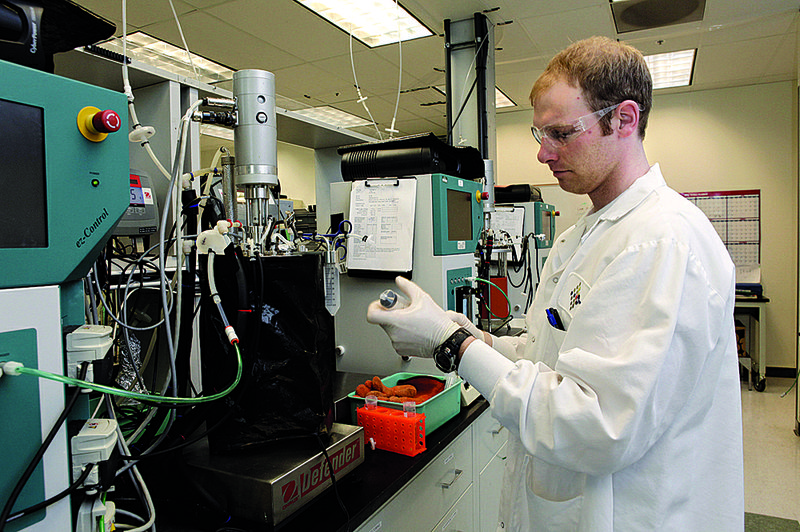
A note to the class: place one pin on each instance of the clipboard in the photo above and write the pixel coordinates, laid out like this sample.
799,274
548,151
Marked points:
383,210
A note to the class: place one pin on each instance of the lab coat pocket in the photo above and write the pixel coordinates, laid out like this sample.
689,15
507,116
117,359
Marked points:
554,516
555,496
552,339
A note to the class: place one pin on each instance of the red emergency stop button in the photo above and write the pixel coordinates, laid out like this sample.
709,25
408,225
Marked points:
95,124
107,121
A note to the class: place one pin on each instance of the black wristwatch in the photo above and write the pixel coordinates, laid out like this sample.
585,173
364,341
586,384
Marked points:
446,355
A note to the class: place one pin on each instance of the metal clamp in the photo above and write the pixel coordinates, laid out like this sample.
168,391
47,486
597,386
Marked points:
448,485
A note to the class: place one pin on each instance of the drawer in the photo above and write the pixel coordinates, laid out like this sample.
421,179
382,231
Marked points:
428,496
489,436
489,486
460,516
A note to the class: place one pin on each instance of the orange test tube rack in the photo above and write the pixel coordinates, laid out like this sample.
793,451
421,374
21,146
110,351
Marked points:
391,430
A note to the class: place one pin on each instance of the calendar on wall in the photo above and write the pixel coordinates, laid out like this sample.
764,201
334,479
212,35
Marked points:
736,215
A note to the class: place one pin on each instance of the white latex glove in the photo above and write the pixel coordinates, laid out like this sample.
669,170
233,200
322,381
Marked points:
418,329
463,321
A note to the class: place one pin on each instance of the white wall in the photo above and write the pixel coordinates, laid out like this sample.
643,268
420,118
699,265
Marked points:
726,139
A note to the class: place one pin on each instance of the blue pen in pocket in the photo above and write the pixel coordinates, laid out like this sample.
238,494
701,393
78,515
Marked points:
554,319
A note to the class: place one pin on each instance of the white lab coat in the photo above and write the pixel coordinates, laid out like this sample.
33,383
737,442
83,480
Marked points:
631,418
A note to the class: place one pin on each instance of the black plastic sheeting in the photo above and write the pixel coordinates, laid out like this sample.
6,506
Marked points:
412,155
277,307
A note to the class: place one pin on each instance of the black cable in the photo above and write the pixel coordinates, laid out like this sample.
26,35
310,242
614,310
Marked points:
463,106
69,491
198,201
186,443
523,262
505,322
529,272
333,483
15,493
469,94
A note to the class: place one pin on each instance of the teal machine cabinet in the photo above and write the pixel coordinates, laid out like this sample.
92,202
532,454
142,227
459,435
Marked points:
457,219
456,224
544,223
64,185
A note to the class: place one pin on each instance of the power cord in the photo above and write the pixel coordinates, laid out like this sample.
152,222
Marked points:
75,486
333,482
26,475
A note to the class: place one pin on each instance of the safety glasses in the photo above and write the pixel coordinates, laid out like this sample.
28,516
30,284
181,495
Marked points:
558,136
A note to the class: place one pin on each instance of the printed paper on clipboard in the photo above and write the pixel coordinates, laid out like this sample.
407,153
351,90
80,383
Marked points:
511,221
383,211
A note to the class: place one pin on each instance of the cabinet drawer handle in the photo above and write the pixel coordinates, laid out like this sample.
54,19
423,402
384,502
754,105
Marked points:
447,485
496,431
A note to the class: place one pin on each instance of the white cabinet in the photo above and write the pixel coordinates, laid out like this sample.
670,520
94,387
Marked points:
458,491
489,440
489,435
488,493
431,494
459,518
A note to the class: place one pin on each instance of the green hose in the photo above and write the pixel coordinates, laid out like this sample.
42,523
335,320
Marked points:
69,381
504,295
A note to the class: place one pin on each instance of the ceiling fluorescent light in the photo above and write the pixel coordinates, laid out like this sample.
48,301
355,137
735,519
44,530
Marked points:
373,22
216,131
672,69
501,100
165,56
334,117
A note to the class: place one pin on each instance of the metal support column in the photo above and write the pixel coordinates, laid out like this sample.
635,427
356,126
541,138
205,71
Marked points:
470,86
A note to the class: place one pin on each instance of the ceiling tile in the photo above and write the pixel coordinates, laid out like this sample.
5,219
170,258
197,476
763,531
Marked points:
141,13
203,4
421,125
557,31
427,103
722,63
784,61
762,27
666,44
525,9
420,58
514,43
729,11
432,13
310,83
109,10
381,110
375,75
287,25
218,41
518,87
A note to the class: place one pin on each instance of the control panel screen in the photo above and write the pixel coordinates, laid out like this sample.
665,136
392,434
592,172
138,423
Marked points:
23,195
459,215
547,223
137,194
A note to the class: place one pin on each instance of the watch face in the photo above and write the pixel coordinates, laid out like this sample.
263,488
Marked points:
445,359
446,355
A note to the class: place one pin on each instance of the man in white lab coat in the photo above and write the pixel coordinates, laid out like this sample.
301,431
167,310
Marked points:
623,401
